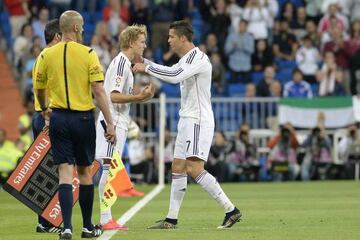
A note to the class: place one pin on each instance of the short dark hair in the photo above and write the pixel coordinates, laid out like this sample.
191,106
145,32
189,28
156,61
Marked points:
51,28
296,70
183,27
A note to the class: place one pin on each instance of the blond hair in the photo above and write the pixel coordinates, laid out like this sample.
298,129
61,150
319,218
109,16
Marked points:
131,34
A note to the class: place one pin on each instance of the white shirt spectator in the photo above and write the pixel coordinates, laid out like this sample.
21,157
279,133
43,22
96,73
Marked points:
235,12
259,20
307,60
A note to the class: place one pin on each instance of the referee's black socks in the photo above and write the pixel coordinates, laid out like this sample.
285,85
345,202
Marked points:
66,203
86,200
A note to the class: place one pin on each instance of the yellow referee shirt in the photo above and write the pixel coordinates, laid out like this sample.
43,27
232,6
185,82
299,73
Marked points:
36,101
67,69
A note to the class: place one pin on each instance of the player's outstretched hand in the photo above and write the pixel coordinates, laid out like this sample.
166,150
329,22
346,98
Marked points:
148,92
139,67
110,134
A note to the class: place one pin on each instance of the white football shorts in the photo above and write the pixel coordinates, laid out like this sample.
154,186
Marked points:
193,139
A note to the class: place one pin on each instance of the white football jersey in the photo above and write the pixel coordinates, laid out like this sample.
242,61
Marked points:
193,72
119,78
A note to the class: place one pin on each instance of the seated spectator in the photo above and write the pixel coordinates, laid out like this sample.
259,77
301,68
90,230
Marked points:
307,58
317,160
141,159
348,154
282,160
238,48
311,31
288,12
262,56
9,157
243,164
259,19
298,24
218,74
263,87
22,46
330,77
297,87
285,43
218,158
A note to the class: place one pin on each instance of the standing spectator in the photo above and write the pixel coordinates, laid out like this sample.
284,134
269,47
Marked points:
239,47
235,12
312,32
262,57
218,74
258,18
307,58
263,87
313,9
285,43
288,12
299,23
38,26
19,15
297,87
22,46
211,44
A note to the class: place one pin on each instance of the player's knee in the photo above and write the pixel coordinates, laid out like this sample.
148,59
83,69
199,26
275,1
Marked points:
178,166
194,167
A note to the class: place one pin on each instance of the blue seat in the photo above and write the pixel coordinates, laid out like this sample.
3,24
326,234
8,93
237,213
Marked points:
285,64
284,75
257,77
158,55
171,90
236,89
97,16
315,88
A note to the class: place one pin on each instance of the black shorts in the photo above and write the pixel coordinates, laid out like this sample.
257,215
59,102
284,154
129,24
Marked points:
72,136
37,124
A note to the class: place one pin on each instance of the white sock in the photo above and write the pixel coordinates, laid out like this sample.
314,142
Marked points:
177,193
105,216
211,185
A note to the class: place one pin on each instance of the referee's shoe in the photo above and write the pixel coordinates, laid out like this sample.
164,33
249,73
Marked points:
231,218
95,232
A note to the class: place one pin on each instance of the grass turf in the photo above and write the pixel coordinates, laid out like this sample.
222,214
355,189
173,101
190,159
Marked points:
294,210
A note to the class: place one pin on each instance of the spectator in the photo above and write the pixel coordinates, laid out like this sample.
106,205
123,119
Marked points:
282,158
141,159
58,6
19,15
273,8
298,24
263,87
38,26
317,160
330,77
313,9
22,46
211,44
311,31
102,50
262,57
288,12
333,14
243,164
220,22
218,157
235,12
259,19
354,42
218,74
285,44
116,14
307,58
297,87
139,13
352,7
239,47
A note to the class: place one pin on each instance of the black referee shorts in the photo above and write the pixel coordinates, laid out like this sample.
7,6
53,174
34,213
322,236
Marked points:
72,136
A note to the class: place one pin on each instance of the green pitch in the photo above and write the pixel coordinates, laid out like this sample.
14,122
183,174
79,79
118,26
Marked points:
271,211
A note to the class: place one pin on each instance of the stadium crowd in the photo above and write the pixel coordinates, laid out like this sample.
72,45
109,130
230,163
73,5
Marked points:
258,48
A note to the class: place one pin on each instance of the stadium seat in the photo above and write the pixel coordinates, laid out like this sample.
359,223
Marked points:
97,16
171,90
257,77
284,64
236,89
315,89
158,55
284,75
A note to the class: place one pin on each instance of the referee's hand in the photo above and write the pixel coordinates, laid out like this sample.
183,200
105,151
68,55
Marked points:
110,134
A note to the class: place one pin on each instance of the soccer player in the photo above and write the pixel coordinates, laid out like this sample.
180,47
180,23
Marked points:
72,72
196,124
52,36
118,85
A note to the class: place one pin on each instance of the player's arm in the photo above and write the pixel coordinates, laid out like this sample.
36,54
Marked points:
174,74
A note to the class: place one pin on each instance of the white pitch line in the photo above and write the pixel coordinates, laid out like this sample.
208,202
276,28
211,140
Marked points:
132,211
